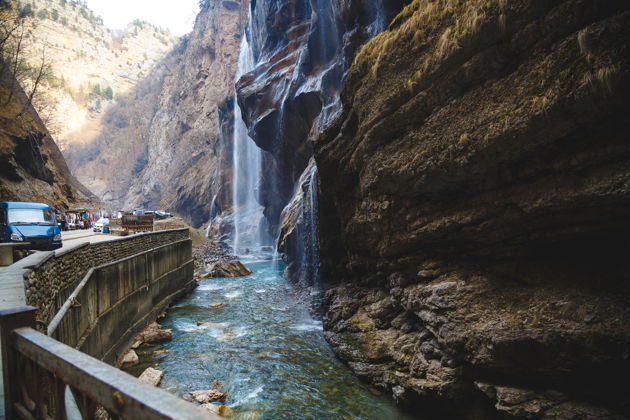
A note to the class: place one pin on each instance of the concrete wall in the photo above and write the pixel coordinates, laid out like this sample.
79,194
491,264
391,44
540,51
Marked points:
118,299
56,274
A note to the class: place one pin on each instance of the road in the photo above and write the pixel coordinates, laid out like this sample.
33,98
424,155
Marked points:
72,237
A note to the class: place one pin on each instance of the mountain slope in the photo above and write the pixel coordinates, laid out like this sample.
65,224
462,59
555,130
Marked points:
162,145
90,65
31,165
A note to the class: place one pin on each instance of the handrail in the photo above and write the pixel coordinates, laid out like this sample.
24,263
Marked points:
99,383
54,323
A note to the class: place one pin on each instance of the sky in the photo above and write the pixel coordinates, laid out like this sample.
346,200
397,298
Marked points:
178,16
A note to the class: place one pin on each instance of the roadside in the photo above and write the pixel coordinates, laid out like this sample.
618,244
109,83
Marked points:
74,237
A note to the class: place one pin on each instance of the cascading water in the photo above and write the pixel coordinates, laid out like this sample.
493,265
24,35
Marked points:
311,247
246,159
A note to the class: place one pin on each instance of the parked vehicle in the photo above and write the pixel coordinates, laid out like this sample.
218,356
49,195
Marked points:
100,224
160,214
33,224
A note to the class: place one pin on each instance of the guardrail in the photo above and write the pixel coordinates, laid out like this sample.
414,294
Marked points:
116,300
46,379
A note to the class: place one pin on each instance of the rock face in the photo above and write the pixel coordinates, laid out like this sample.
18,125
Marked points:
475,192
31,166
302,49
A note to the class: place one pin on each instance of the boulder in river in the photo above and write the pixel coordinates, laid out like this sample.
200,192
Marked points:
225,268
151,376
154,333
215,305
207,396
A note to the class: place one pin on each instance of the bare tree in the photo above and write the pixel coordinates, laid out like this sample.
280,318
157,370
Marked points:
13,62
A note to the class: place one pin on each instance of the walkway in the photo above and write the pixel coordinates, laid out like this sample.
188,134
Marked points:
12,282
12,295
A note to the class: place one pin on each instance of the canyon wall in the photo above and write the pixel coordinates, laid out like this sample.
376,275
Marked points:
167,144
302,50
474,209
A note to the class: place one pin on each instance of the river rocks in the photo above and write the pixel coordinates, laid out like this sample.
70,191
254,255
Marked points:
220,410
151,376
474,211
154,334
203,397
215,305
130,358
225,268
208,396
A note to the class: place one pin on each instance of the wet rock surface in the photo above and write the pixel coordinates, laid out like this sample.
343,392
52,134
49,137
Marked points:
302,50
223,268
208,396
154,334
474,191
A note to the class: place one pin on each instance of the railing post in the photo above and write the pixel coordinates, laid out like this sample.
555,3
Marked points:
11,319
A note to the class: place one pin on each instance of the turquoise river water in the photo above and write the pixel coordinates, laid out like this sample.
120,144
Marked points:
266,350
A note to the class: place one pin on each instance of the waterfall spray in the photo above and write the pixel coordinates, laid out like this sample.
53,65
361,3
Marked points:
247,164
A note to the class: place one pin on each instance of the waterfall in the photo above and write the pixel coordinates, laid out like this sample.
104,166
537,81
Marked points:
312,229
246,163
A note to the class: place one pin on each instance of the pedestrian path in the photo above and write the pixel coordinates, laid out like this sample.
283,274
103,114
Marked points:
11,296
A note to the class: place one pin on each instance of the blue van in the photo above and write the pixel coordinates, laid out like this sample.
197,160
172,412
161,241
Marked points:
34,223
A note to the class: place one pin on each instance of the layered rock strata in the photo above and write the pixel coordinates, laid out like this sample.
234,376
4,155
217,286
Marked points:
475,195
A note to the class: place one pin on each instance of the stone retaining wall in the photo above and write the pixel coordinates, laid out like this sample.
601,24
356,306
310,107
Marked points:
52,280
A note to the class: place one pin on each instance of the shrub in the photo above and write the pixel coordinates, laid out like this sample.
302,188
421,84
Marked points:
141,162
42,14
108,93
27,11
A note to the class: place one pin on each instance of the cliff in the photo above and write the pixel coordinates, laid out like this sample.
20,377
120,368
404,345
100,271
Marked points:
302,50
475,195
162,145
31,166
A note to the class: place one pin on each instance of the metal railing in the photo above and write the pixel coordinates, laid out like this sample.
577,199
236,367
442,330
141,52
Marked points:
46,379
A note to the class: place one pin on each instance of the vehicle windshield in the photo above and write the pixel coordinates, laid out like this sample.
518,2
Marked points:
103,220
31,217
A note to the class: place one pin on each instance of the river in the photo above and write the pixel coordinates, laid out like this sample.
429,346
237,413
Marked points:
266,350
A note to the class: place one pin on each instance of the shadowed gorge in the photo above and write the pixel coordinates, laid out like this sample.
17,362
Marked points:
411,208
